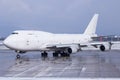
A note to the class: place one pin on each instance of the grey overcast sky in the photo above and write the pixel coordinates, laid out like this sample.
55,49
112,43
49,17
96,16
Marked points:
59,16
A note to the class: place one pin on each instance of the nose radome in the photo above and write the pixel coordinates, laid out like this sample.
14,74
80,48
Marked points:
6,42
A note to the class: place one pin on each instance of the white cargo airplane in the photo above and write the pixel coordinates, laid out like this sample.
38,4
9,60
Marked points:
64,44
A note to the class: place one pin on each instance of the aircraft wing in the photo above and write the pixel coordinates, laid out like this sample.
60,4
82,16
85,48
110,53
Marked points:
54,46
61,45
104,42
78,46
64,46
74,45
96,44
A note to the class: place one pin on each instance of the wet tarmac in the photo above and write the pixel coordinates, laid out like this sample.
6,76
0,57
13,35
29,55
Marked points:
85,64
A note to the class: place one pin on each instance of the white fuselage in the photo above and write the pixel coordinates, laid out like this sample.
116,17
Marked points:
30,40
37,40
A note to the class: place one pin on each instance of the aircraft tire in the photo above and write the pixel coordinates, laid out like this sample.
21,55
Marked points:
67,55
44,54
18,56
63,54
55,54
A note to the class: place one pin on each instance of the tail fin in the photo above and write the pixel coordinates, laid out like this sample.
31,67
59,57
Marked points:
91,29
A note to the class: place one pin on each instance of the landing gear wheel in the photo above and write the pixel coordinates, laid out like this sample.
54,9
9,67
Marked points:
18,56
44,54
55,54
65,55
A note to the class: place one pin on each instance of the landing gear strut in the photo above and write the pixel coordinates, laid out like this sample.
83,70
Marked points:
62,54
18,56
18,53
44,54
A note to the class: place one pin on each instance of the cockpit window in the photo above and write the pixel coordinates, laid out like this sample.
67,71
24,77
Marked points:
14,33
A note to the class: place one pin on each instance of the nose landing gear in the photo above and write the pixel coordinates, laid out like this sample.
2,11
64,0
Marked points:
18,56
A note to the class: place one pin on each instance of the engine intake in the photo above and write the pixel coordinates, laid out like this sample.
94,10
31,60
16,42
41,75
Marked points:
71,50
102,48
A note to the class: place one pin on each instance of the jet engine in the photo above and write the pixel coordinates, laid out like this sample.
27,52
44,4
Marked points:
71,50
102,47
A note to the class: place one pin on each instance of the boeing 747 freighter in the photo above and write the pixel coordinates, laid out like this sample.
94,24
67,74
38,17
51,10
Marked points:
64,44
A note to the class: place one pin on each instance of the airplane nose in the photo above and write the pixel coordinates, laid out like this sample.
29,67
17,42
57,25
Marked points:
6,42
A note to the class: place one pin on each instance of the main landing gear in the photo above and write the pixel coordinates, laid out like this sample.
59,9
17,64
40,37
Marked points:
55,54
65,54
62,54
44,54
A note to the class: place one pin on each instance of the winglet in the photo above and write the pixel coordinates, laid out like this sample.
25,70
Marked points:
91,29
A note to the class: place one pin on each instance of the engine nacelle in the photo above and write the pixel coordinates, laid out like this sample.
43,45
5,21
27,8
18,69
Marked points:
102,47
71,50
